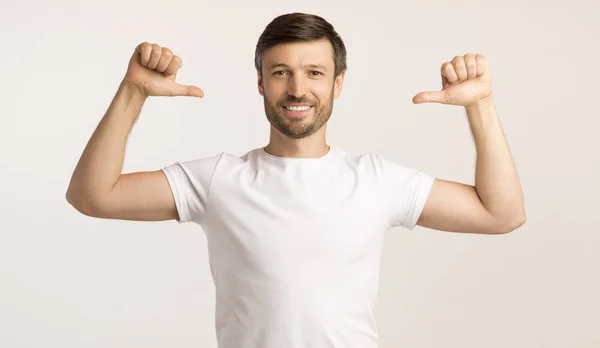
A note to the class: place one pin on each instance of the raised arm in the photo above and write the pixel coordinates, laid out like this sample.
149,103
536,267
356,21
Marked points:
97,187
495,204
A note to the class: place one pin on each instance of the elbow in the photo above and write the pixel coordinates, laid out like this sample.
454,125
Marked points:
513,225
74,198
70,197
77,202
84,203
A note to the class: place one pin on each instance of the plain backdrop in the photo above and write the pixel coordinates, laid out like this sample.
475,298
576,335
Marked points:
67,280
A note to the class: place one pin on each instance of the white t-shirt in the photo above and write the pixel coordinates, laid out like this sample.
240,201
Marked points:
294,243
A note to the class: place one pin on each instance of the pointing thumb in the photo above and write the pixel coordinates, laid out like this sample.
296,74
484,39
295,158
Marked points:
191,91
187,91
429,97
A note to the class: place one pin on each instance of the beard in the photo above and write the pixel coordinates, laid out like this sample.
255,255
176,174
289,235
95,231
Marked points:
300,128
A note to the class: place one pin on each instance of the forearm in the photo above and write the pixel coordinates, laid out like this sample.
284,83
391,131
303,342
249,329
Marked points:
101,163
496,178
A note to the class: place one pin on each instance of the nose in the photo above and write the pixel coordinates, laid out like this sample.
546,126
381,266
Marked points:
297,86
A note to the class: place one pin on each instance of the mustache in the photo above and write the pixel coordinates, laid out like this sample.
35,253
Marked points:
294,100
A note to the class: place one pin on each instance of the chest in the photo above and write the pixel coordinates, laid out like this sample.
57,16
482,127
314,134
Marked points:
284,228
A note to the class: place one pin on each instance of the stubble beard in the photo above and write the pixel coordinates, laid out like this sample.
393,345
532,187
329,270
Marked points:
298,128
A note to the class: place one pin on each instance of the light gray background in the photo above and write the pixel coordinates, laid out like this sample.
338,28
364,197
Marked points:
67,280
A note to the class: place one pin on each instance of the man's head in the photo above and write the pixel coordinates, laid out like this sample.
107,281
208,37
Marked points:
301,63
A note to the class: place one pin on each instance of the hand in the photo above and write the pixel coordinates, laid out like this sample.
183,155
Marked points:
153,69
465,80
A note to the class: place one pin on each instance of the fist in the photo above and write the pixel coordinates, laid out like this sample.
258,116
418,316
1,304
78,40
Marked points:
465,80
153,70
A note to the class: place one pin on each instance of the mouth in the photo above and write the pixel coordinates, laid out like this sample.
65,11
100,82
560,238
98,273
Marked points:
297,108
296,111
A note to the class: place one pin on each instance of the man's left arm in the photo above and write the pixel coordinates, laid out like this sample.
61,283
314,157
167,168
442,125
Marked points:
495,204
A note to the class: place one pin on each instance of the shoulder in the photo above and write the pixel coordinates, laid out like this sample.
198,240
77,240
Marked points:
374,163
218,159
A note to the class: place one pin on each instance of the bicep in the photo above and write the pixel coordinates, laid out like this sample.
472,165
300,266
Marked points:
140,196
456,207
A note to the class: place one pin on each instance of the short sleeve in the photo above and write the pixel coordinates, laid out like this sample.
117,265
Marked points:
405,190
190,184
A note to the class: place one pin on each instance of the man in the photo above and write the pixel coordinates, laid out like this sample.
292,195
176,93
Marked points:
295,228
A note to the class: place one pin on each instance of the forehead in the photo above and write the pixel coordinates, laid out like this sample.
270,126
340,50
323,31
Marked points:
297,54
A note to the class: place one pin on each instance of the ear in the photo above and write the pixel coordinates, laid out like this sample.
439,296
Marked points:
339,81
261,89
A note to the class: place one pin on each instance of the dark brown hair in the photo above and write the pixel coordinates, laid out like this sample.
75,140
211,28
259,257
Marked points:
293,27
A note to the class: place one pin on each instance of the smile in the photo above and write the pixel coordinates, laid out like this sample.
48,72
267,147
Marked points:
297,108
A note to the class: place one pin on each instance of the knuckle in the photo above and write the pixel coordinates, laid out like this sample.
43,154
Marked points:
167,52
448,69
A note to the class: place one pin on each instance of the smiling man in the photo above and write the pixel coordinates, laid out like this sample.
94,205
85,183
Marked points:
295,228
298,83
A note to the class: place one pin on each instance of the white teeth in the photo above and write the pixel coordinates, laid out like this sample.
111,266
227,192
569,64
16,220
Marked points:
297,108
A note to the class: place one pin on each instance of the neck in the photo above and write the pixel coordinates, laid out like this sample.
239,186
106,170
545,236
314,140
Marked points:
313,146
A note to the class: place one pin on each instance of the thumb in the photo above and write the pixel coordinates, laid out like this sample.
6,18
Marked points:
185,90
193,91
430,97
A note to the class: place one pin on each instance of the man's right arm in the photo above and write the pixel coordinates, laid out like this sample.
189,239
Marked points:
97,187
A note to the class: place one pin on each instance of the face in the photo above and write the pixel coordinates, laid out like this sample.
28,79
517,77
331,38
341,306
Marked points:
298,86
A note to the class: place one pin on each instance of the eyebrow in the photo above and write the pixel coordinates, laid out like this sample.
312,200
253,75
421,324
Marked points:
283,65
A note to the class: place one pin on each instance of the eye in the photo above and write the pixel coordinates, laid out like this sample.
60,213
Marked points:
316,73
279,73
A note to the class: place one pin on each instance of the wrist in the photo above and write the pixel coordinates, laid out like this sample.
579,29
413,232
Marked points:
132,91
480,104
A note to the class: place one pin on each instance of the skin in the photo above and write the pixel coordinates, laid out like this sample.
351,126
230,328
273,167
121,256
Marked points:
495,204
299,73
98,188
